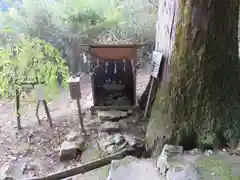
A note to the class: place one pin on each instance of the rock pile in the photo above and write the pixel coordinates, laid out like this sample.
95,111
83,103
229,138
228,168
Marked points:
115,142
114,124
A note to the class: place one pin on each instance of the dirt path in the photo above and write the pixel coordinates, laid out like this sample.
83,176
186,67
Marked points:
37,145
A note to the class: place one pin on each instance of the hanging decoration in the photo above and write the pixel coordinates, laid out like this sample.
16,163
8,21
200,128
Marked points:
124,65
115,67
106,67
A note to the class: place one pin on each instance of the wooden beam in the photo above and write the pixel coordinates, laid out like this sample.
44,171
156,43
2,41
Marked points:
94,108
86,167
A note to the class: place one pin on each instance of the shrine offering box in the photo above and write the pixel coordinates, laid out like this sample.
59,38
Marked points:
113,76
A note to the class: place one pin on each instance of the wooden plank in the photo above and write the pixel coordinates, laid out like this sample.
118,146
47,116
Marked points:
115,45
93,108
86,167
165,32
116,53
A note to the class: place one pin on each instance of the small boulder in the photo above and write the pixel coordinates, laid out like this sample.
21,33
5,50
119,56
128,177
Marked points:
4,172
169,153
130,112
70,150
111,115
109,127
208,152
72,136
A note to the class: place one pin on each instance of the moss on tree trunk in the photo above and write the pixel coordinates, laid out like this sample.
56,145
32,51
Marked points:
203,92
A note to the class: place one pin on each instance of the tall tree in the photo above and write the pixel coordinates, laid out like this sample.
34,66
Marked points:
201,95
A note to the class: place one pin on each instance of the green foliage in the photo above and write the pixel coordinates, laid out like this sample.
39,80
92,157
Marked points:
31,60
63,23
61,19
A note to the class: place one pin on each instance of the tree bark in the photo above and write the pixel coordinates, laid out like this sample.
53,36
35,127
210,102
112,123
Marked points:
202,94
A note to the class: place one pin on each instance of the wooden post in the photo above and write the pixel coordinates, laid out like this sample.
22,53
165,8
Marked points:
37,108
41,98
17,109
75,93
80,116
149,97
156,63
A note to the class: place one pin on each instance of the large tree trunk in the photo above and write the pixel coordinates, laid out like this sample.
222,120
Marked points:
202,93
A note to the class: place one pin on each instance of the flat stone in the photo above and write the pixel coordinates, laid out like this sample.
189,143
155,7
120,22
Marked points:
129,112
96,174
69,150
195,152
123,125
183,172
111,115
131,168
117,163
109,127
72,136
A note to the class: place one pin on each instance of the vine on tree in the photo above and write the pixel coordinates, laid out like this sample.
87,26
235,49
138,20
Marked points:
31,60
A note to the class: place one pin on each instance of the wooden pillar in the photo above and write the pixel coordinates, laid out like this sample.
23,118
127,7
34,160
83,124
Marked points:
165,33
165,36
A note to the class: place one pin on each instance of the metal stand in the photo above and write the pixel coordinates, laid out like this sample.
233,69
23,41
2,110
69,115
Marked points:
46,111
18,93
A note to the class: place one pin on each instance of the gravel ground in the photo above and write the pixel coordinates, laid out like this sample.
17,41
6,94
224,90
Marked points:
36,145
